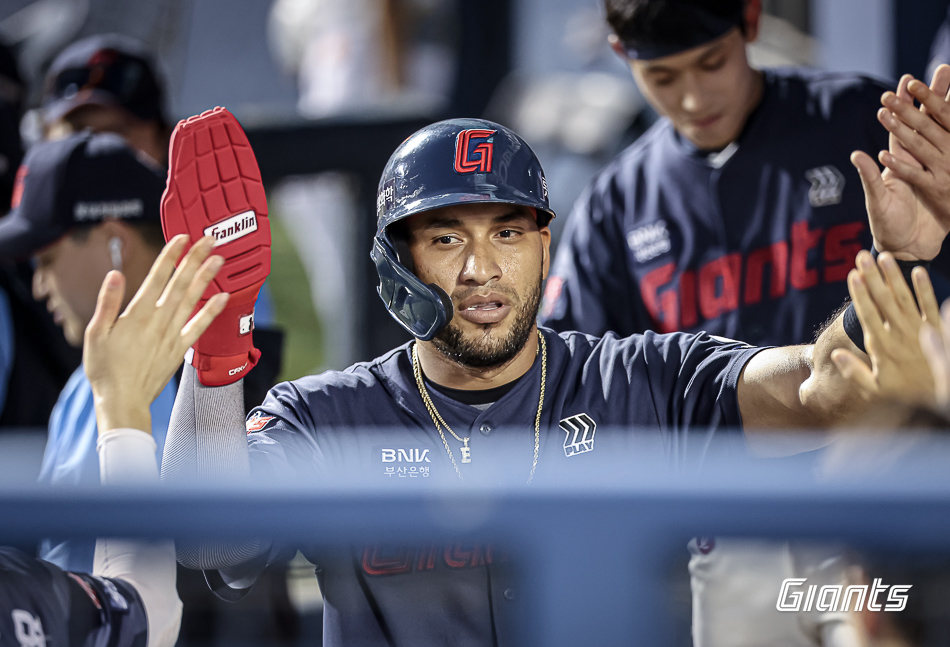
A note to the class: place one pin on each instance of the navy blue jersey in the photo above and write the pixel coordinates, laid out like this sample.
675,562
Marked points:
752,243
41,604
677,389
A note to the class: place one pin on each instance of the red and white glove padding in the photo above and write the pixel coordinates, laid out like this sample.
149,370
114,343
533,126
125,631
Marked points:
215,189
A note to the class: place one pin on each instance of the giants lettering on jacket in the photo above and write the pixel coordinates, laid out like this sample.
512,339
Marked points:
380,560
679,300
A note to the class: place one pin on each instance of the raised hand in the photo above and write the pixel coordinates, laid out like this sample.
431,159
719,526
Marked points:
892,322
130,357
900,223
917,167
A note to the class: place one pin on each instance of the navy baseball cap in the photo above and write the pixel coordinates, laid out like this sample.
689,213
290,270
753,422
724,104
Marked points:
107,70
82,179
673,26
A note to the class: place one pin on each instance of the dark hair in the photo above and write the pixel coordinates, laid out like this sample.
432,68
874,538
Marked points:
662,21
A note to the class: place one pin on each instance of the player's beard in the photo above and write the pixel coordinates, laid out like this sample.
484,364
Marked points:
488,351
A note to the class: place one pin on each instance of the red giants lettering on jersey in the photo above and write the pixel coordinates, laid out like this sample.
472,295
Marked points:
469,159
380,560
728,282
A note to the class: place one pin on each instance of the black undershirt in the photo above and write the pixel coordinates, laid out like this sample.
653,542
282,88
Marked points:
477,397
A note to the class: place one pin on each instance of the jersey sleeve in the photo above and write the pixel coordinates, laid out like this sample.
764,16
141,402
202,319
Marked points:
694,380
589,288
41,604
123,614
281,438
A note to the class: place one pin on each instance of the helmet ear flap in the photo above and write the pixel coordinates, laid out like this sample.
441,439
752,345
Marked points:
423,310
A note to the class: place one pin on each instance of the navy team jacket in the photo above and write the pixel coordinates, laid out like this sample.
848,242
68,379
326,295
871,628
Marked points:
678,389
752,243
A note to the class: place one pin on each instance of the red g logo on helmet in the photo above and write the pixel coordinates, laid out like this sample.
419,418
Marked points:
479,157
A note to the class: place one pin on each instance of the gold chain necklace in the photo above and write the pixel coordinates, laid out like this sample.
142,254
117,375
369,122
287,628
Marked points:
466,451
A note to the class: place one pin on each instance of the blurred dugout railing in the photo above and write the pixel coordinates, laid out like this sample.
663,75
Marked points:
595,552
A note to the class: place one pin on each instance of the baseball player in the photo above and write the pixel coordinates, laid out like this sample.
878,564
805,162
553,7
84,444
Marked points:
107,83
84,205
737,213
130,599
462,247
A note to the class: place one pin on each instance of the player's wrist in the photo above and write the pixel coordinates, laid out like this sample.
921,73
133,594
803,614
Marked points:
922,256
122,413
905,261
849,319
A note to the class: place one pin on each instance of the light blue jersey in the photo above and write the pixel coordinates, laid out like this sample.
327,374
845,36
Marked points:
71,458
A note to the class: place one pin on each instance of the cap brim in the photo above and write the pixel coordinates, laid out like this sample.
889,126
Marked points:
21,238
59,108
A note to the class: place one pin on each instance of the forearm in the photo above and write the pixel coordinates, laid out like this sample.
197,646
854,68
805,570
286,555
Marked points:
207,443
799,387
127,456
206,439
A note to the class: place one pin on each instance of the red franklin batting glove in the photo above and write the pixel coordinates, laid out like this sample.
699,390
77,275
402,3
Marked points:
215,189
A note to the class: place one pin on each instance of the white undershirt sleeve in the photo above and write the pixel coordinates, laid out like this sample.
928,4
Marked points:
127,456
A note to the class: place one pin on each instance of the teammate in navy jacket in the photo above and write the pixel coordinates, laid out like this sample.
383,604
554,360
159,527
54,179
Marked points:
462,247
738,212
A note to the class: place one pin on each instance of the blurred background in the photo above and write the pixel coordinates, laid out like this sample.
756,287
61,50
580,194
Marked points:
326,89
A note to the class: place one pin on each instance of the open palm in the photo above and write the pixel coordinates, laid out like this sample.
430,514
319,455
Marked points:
909,203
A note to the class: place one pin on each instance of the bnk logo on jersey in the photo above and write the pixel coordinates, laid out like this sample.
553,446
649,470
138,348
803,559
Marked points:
405,455
580,434
473,151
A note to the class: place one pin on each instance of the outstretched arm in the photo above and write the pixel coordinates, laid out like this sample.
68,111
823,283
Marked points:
909,217
833,383
129,357
799,386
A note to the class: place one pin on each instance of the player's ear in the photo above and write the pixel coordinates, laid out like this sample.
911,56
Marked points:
115,228
545,251
614,41
753,13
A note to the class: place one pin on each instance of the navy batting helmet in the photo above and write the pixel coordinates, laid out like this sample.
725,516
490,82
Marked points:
458,161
